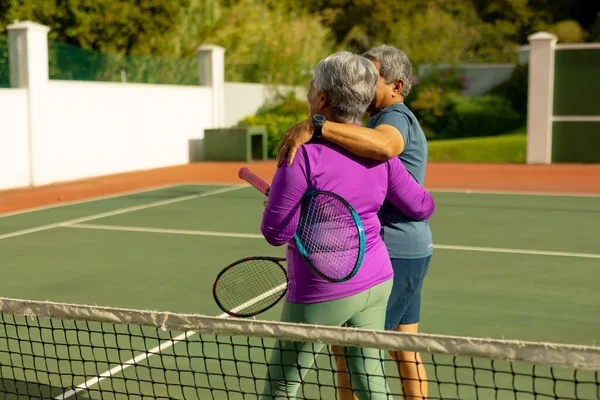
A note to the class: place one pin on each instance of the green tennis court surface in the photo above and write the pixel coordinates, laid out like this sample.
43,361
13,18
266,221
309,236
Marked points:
505,266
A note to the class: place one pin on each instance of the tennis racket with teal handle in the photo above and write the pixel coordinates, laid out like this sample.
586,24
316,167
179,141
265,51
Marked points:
330,235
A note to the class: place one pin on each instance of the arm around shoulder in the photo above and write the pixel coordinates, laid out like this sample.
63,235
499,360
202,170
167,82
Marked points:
382,143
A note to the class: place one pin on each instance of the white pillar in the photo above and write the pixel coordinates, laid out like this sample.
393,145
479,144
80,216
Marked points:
540,97
211,63
28,52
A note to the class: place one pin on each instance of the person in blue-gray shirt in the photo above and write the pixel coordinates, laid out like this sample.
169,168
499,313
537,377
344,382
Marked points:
392,131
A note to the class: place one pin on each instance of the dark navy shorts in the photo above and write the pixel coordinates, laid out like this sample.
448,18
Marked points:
404,305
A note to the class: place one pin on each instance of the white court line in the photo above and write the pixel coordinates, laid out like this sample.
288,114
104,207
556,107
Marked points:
119,211
257,236
156,350
160,230
473,191
517,251
116,195
88,200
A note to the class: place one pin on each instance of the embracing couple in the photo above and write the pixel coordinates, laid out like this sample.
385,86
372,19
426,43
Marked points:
380,170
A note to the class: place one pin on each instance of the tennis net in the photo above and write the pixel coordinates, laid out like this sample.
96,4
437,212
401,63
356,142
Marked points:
64,351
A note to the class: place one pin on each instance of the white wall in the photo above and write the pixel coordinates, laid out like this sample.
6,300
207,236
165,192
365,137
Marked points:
14,139
243,99
54,131
93,129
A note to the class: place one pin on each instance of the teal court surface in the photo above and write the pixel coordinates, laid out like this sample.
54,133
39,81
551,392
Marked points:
505,266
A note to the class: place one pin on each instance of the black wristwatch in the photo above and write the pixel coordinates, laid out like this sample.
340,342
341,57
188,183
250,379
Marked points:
319,121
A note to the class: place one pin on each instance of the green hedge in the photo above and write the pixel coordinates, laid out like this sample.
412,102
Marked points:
277,117
445,112
515,89
510,148
477,116
442,111
4,67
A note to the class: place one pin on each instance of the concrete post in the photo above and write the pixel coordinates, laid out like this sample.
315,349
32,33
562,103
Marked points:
28,53
541,97
211,63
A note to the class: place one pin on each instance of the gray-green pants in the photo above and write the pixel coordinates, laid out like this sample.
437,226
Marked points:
290,361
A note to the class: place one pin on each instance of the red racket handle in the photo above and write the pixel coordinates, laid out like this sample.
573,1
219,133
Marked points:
254,180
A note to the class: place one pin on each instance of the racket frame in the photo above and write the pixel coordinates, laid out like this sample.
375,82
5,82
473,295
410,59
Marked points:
276,260
361,238
259,184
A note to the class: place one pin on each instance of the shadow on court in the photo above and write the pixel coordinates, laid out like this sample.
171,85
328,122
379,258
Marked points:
20,390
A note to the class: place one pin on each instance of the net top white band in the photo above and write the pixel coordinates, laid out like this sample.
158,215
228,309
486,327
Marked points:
539,353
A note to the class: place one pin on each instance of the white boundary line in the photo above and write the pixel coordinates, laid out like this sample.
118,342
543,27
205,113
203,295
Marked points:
156,188
517,251
118,211
155,350
115,195
160,230
257,236
88,200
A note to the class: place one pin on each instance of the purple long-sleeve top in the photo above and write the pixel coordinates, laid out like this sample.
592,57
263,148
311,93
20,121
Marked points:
365,184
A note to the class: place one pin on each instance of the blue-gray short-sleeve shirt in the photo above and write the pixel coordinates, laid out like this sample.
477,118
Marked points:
403,237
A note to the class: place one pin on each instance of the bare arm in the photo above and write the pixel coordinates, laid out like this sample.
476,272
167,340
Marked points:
382,143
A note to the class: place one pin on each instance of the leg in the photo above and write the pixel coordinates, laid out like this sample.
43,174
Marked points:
344,387
403,315
411,368
366,364
290,361
288,366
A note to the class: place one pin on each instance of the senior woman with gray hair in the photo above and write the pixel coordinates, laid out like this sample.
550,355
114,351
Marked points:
341,90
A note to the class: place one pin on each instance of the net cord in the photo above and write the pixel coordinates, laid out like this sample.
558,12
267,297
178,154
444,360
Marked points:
539,353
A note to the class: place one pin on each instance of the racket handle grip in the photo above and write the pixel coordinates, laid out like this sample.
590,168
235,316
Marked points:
254,180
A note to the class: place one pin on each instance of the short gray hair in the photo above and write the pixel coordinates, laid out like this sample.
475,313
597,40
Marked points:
349,81
395,65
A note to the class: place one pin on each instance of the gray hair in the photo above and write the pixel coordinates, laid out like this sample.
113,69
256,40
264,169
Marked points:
395,65
349,81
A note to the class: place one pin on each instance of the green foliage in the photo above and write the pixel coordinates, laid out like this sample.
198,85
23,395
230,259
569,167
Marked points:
515,90
277,118
269,44
511,148
280,41
284,105
4,67
429,98
125,27
569,32
264,41
477,116
434,33
594,35
74,63
439,103
444,112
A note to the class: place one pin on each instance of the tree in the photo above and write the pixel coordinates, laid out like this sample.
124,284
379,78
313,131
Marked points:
269,43
569,32
431,34
125,27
